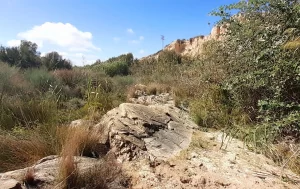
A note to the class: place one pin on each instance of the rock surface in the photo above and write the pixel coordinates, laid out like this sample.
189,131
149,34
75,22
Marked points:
154,131
205,165
45,172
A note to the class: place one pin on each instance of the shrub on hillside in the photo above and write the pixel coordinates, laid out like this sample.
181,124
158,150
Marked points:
116,68
169,57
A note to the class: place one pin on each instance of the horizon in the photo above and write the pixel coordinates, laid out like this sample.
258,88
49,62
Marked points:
86,31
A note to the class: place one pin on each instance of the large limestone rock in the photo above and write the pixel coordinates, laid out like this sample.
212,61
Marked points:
154,131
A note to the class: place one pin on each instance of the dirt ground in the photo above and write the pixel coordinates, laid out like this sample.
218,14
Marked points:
205,165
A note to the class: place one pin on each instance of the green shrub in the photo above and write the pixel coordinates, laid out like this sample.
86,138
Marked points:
263,78
116,68
41,79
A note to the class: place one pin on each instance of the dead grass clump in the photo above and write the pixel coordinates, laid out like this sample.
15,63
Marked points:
150,89
157,88
286,154
131,92
78,140
67,172
107,171
17,152
104,175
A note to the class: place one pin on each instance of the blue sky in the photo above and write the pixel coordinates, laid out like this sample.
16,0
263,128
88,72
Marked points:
84,31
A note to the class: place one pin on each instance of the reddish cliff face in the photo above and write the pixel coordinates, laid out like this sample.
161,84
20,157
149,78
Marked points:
193,47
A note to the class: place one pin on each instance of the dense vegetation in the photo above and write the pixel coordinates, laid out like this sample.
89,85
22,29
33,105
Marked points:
247,84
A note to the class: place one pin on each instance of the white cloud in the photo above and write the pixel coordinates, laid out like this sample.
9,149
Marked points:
129,30
60,34
142,51
78,49
14,43
116,39
142,38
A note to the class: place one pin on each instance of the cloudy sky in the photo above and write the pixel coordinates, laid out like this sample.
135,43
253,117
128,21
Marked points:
86,30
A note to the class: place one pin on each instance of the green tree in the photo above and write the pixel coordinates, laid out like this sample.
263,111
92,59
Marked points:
30,57
54,61
24,56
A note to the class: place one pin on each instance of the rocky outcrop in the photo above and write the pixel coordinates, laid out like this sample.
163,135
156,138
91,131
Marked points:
154,131
193,47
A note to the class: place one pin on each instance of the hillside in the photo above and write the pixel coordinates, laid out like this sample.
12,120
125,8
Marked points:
192,47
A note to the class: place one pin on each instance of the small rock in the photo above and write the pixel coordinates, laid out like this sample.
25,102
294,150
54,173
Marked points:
185,179
172,164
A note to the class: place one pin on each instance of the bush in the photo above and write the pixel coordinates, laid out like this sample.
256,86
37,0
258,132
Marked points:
41,79
116,68
12,82
263,76
71,78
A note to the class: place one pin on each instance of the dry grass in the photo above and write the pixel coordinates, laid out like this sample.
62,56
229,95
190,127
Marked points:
18,153
131,92
67,172
149,89
157,88
286,154
104,175
80,140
